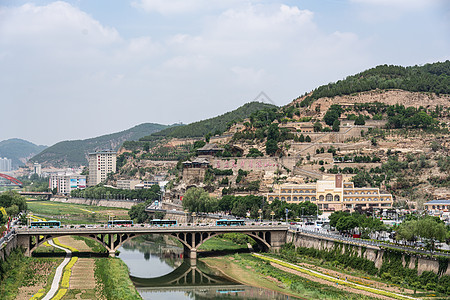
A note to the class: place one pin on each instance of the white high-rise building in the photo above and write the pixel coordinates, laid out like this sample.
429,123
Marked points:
64,184
101,163
5,164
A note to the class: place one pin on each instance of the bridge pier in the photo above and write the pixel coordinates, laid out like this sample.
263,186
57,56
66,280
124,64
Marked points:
112,253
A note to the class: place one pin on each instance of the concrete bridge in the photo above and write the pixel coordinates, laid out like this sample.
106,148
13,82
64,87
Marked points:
267,237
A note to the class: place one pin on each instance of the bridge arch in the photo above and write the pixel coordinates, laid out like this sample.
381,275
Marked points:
12,179
39,240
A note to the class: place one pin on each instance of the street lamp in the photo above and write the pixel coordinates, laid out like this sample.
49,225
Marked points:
287,211
272,213
193,217
260,214
186,212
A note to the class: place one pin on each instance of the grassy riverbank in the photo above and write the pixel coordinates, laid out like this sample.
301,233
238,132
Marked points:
21,277
70,213
115,284
255,272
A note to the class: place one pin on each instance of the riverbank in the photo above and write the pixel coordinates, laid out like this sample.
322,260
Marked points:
252,271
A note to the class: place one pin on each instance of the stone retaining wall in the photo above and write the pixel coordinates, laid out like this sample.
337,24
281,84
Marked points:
373,253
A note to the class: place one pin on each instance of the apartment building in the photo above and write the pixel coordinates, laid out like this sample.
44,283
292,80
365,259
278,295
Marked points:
333,195
101,163
127,184
64,184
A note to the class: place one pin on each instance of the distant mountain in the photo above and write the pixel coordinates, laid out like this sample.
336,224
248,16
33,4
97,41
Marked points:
19,151
74,153
213,125
429,78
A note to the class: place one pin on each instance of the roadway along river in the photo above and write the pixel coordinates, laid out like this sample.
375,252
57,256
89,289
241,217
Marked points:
159,272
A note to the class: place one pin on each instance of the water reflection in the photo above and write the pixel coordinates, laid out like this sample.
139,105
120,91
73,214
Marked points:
158,271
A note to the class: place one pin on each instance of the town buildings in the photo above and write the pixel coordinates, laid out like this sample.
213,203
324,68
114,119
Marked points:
5,164
439,208
101,163
64,184
333,195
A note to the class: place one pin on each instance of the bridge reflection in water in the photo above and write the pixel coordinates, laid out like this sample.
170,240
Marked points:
198,281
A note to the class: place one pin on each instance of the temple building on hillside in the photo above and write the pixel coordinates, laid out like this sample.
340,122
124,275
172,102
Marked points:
209,150
333,195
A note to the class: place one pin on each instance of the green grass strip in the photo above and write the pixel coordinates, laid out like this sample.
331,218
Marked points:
332,279
56,241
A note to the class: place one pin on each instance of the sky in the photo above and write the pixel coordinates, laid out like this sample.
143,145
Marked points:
83,68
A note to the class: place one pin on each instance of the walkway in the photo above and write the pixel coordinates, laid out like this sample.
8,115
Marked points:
59,271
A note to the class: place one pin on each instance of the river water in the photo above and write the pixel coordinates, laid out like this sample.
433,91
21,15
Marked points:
158,270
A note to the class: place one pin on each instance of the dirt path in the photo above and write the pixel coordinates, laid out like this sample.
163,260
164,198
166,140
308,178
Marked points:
82,277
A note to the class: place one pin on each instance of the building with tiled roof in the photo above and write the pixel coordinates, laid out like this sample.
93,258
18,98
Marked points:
333,195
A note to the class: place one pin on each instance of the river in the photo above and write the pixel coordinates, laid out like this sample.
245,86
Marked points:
159,271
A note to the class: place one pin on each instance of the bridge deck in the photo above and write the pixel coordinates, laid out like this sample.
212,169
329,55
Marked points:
147,229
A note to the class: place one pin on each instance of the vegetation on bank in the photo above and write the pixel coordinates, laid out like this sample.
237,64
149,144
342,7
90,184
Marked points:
254,271
18,271
114,279
392,270
103,192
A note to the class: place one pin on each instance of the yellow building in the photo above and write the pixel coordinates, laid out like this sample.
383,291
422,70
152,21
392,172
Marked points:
332,195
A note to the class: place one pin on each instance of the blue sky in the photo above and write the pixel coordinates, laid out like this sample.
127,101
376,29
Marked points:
80,69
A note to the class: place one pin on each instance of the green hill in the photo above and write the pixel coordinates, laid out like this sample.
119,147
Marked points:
214,125
432,78
19,151
74,153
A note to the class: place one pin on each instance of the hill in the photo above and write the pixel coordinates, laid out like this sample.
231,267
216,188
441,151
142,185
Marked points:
73,153
19,151
429,78
216,125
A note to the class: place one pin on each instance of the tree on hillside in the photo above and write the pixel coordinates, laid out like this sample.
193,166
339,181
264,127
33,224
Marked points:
336,125
198,200
317,127
360,120
271,147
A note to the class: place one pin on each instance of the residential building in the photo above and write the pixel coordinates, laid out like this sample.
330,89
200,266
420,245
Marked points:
333,195
101,163
37,169
5,164
127,184
64,184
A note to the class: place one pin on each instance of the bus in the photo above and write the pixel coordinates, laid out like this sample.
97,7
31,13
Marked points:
163,223
47,224
127,223
225,222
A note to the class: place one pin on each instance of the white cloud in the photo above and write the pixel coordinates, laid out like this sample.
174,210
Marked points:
169,7
74,67
406,4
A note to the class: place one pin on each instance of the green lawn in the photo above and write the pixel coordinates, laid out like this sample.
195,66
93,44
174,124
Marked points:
69,213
